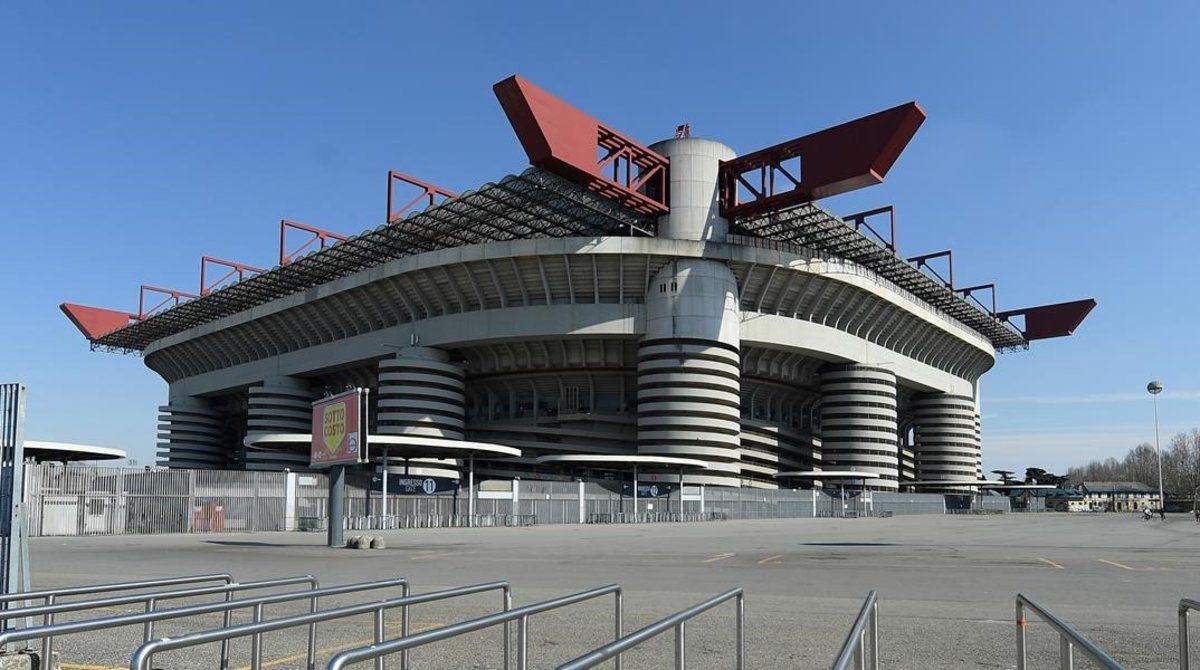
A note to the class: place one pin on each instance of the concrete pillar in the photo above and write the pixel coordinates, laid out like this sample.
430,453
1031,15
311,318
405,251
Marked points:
947,437
191,433
278,405
689,365
289,502
582,503
422,393
858,422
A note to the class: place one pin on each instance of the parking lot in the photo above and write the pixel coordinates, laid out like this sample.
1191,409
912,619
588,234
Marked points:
946,585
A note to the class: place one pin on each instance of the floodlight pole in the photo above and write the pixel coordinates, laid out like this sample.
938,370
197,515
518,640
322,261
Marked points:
1154,388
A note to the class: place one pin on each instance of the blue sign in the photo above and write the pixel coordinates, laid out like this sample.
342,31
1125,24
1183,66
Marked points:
412,485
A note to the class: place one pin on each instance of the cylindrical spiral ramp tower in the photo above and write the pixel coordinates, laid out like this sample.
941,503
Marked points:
421,393
281,405
192,434
858,422
947,438
689,363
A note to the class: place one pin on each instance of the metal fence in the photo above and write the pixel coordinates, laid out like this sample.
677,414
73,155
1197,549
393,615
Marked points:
89,500
80,499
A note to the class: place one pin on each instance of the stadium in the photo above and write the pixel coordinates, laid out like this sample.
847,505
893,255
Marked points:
672,304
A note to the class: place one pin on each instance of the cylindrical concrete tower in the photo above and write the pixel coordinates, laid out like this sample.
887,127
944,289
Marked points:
689,365
279,405
193,432
947,437
858,422
695,203
421,393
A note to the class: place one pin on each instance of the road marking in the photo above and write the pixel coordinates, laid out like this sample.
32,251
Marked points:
1116,564
718,557
771,559
437,554
1050,562
282,660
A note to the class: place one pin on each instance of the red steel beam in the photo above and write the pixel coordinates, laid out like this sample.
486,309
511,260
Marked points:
324,237
168,296
96,322
233,268
970,291
859,221
429,192
568,142
1046,321
843,158
922,262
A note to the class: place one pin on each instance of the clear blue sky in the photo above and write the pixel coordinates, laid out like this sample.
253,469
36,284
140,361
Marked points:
1058,160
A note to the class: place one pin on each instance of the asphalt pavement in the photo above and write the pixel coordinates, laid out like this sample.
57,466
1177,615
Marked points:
946,586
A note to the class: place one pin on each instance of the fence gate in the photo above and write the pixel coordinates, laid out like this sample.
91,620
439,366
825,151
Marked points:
14,553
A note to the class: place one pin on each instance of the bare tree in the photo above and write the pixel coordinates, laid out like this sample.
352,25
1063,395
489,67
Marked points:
1180,466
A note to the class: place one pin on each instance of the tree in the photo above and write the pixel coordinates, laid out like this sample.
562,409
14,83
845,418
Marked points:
1180,466
1006,476
1040,476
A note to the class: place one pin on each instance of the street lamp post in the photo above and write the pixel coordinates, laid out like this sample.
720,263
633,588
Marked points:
1154,388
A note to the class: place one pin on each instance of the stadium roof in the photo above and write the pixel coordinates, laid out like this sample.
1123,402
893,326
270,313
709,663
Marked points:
538,203
533,204
813,227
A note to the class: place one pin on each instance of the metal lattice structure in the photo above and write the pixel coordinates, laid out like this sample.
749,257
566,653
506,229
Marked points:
812,226
533,204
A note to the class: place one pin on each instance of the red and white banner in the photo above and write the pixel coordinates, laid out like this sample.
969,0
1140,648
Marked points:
339,429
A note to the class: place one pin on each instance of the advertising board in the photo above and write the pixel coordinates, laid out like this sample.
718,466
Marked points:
339,429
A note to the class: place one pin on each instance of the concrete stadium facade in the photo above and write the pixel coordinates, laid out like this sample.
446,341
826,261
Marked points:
555,317
756,360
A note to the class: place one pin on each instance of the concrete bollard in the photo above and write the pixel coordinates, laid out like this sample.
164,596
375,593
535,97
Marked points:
352,541
378,543
362,542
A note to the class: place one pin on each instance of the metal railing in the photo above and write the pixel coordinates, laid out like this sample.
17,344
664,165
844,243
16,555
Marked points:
141,659
226,607
521,615
652,517
1185,647
677,621
1068,639
48,596
405,521
151,601
855,648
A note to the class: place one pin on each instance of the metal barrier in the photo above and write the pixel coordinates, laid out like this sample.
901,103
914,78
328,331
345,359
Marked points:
405,521
652,517
257,604
854,649
1068,637
521,615
677,621
144,655
48,596
1185,647
48,610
